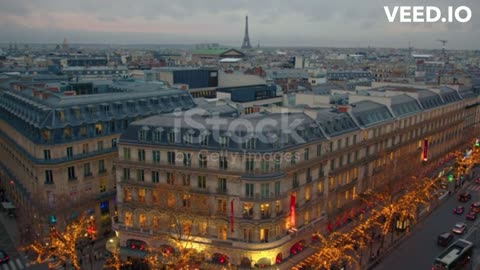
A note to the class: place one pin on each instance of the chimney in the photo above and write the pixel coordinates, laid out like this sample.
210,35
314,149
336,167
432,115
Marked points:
69,93
344,108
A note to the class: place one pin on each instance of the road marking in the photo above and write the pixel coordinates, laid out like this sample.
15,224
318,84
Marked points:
19,264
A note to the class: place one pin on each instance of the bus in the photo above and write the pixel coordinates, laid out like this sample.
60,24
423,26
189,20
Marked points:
456,257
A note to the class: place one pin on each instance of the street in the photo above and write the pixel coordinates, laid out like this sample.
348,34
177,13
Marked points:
7,244
420,249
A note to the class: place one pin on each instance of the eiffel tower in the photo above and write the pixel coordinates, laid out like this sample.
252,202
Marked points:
246,38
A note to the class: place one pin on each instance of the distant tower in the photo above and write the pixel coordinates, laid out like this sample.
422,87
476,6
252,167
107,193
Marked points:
65,44
246,38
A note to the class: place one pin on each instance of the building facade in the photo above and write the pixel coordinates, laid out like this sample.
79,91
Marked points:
58,143
252,189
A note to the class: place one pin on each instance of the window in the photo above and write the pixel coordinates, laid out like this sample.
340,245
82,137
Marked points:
278,207
306,154
86,170
172,137
223,162
249,190
204,140
155,177
126,173
320,187
188,139
100,145
141,155
309,175
249,165
339,144
222,185
202,159
332,164
83,131
186,179
295,183
46,154
308,193
293,159
140,175
142,135
187,159
101,166
265,191
248,210
202,181
171,158
67,133
171,200
156,156
265,210
128,219
69,152
277,189
224,141
347,141
170,178
85,148
71,173
157,136
250,143
265,165
277,162
98,129
48,177
186,200
126,153
103,185
222,206
114,142
331,146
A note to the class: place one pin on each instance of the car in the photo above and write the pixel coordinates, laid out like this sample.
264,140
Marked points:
459,228
471,216
458,210
444,239
4,258
464,197
477,181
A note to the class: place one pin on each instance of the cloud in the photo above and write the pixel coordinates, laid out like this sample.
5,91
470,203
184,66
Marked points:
274,22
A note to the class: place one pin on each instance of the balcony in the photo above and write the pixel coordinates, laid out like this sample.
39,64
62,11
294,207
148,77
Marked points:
347,186
222,191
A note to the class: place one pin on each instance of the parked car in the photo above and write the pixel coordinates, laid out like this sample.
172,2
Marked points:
444,239
459,228
477,181
464,197
459,210
4,258
471,216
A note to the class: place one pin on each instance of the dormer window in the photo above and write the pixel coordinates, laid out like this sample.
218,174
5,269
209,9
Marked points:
61,115
106,109
172,136
98,128
250,143
188,138
157,135
224,141
142,134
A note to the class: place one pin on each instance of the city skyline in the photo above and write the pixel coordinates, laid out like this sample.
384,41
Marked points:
271,23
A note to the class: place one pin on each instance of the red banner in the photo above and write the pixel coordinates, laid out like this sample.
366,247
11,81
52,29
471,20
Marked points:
293,203
232,217
425,150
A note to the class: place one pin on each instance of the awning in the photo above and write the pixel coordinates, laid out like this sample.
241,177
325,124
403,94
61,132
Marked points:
8,205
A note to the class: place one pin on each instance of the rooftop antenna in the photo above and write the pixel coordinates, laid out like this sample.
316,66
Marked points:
444,46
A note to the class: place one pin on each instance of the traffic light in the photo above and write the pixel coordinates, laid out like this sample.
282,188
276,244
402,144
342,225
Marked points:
450,178
53,220
477,143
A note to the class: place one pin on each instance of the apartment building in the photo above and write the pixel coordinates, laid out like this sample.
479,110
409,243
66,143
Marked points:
59,139
246,189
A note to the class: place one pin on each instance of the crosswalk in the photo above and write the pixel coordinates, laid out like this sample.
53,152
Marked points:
13,265
474,188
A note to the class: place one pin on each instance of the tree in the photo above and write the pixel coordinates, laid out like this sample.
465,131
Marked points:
61,247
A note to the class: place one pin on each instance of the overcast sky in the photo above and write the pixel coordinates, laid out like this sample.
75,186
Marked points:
339,23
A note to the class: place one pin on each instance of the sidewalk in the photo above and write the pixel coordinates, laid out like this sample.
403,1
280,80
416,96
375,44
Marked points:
10,224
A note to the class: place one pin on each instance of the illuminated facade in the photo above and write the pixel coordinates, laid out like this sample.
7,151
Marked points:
58,141
257,201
